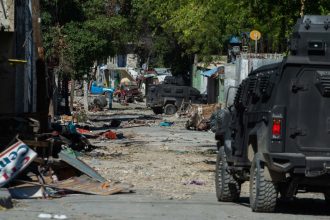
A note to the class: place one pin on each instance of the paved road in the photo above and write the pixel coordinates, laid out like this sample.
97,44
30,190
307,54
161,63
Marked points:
139,206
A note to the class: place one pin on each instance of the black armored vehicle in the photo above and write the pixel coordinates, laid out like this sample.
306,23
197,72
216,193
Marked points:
169,96
277,133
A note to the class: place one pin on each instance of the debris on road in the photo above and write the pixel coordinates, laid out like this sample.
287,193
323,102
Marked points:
50,216
27,191
5,199
85,184
195,182
49,166
200,116
69,157
109,135
166,124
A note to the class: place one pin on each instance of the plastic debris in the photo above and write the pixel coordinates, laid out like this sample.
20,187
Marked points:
166,124
195,182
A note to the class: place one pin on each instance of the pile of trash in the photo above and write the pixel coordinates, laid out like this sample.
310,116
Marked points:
47,165
200,116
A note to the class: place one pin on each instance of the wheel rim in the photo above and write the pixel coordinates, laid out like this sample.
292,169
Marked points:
170,110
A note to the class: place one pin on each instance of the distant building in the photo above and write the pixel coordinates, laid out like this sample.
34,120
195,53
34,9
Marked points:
216,78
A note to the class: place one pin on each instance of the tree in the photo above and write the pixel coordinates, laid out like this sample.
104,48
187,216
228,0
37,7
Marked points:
165,32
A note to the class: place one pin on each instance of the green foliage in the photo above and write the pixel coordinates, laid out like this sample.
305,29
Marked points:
76,33
164,32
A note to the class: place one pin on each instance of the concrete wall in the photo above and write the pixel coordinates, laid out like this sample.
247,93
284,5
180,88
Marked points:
199,81
248,62
235,73
131,61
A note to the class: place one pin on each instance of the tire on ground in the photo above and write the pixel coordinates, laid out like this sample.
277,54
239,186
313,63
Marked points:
170,109
157,110
263,193
227,188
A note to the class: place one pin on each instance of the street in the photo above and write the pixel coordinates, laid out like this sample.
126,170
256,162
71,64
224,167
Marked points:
162,109
172,170
142,206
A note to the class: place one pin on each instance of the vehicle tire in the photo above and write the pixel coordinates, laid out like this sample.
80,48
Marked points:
327,196
139,99
227,188
263,193
115,123
170,109
157,110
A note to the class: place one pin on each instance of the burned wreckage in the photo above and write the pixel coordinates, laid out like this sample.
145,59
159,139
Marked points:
277,133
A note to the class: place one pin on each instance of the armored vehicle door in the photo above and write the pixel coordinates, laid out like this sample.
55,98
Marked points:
311,128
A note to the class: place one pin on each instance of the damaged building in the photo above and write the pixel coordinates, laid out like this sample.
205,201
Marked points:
34,153
23,103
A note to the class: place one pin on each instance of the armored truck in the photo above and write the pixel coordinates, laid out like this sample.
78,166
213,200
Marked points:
276,135
171,95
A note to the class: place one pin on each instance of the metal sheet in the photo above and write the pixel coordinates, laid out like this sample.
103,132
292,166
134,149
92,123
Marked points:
70,158
27,192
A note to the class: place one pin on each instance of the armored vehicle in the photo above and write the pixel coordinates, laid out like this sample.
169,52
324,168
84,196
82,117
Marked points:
277,133
171,95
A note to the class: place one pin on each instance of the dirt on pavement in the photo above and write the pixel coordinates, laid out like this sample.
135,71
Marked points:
171,162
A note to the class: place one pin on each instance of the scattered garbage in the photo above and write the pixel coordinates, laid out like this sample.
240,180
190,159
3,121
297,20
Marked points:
195,182
50,216
50,167
110,135
45,215
27,191
99,103
70,157
86,185
166,124
200,116
83,131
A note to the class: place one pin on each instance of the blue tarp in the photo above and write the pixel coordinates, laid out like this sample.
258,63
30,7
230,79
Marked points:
99,89
234,40
211,72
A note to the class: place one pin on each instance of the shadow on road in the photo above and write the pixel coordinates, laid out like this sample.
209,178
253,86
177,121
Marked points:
298,206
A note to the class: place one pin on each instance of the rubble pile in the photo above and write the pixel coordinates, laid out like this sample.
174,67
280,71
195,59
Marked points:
47,165
200,116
